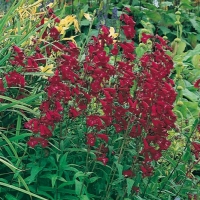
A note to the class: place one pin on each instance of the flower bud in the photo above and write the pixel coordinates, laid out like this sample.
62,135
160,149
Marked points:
165,37
179,64
178,76
177,40
149,42
177,13
179,87
142,45
177,23
179,103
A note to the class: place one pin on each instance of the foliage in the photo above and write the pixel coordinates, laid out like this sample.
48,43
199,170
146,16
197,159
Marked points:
97,107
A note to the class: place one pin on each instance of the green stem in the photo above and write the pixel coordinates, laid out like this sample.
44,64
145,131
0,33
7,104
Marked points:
186,177
108,187
163,187
86,168
88,37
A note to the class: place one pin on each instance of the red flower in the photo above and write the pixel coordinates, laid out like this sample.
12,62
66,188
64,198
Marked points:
39,58
107,120
73,112
127,9
54,33
33,125
44,131
58,106
197,84
31,66
94,120
196,149
15,79
145,37
128,173
103,159
91,139
103,137
32,142
129,31
43,142
136,131
105,30
2,89
118,128
53,116
135,189
114,51
17,49
44,107
103,149
128,20
146,170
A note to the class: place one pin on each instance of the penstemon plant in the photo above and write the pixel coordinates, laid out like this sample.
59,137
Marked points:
124,104
103,121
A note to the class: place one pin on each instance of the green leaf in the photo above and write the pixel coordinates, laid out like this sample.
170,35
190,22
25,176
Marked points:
18,127
78,187
93,179
182,109
22,103
84,197
34,172
194,126
192,108
9,144
195,24
164,29
189,95
16,138
196,61
153,197
45,194
130,183
53,179
81,175
85,22
21,190
191,53
10,197
181,47
63,161
187,154
85,8
140,51
120,169
153,15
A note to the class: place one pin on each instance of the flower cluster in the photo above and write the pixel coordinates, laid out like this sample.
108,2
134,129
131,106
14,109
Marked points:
144,113
196,149
155,96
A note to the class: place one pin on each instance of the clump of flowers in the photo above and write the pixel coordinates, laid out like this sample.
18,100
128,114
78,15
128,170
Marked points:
144,113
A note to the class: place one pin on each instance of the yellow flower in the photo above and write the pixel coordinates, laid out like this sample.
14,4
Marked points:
66,23
87,16
112,33
47,69
29,11
70,38
76,26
